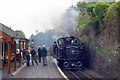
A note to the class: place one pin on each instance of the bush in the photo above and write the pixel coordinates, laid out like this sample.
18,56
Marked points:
113,11
97,11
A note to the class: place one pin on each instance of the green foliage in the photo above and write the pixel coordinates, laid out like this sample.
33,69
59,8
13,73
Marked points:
92,23
83,18
107,52
90,10
82,7
92,14
113,11
20,32
97,11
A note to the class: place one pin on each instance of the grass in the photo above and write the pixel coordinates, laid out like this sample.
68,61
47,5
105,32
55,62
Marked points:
106,51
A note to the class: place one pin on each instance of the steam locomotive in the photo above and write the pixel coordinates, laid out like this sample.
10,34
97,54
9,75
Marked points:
70,53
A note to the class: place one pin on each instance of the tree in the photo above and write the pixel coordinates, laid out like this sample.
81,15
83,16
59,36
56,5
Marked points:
97,11
83,18
20,32
113,11
82,7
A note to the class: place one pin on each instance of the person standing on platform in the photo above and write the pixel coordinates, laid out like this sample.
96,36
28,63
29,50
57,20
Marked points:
33,56
39,53
27,53
18,56
24,56
55,49
44,55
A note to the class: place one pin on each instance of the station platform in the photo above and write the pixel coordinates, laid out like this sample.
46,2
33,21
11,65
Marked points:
40,71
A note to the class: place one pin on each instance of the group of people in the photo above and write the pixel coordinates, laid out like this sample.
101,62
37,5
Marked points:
42,54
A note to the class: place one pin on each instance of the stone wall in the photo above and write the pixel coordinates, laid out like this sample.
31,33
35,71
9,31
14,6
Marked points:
104,52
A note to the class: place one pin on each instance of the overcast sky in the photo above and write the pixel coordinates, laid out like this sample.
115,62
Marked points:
30,15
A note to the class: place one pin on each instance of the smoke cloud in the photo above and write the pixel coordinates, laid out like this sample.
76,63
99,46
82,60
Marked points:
65,24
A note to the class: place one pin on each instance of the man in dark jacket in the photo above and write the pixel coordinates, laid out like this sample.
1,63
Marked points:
39,53
55,49
33,56
27,53
44,55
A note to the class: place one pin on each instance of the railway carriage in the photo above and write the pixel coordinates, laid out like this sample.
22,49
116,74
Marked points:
70,53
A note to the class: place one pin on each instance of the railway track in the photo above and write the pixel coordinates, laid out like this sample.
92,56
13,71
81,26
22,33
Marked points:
85,75
77,75
74,74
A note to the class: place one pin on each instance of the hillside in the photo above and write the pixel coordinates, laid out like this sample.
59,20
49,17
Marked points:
99,30
103,50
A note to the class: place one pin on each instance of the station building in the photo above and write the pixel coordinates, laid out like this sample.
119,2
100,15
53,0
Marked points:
10,41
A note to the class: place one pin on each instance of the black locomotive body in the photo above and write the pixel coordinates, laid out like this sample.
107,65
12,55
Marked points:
70,53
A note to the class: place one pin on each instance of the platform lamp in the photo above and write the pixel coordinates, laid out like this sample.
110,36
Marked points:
32,42
17,39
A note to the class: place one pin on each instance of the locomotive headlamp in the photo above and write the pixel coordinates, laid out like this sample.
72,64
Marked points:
72,41
75,41
73,64
79,63
73,51
66,64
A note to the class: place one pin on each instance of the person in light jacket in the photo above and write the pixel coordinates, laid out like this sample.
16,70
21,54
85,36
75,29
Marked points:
44,55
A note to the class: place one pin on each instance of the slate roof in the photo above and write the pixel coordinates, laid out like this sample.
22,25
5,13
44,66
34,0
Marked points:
9,31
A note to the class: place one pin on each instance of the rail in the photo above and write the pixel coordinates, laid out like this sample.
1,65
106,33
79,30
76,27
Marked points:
77,75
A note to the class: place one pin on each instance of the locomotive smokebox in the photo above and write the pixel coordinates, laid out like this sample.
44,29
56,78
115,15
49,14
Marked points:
70,53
